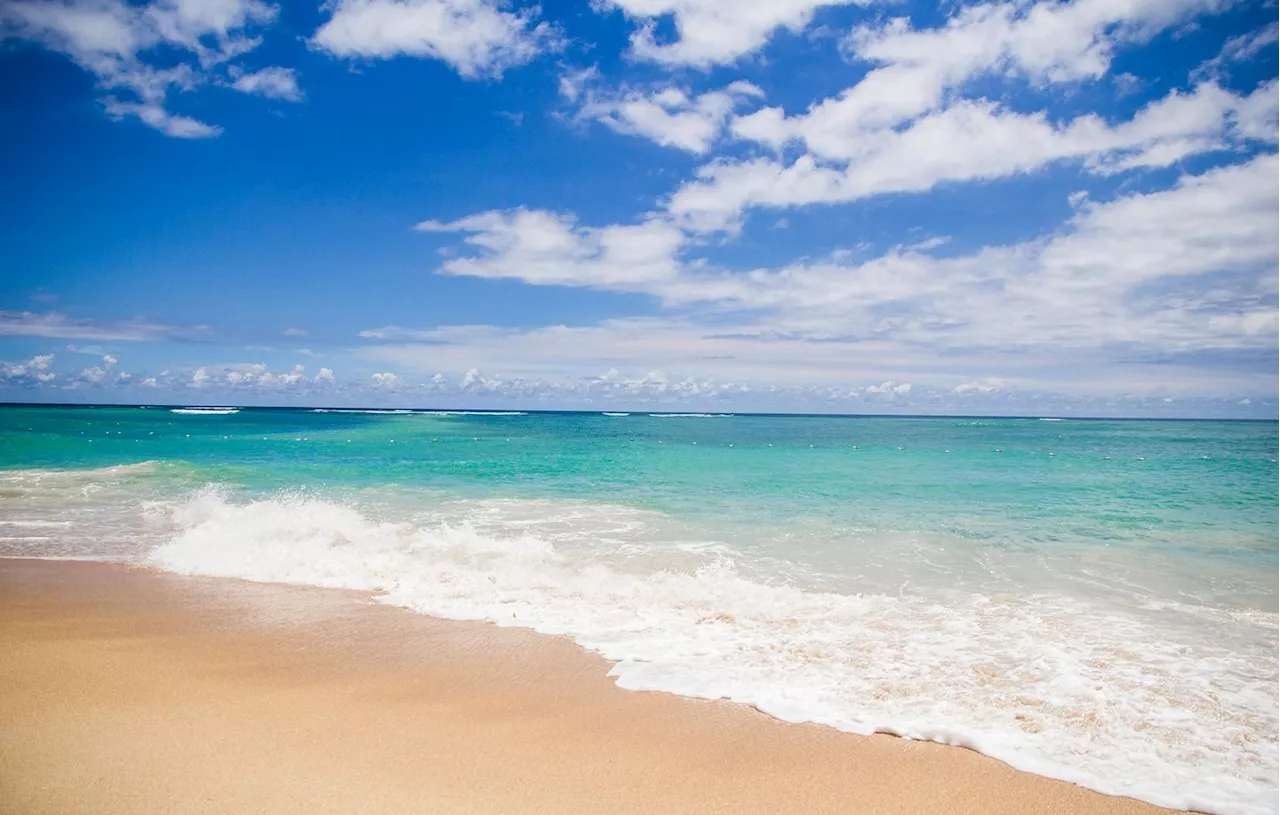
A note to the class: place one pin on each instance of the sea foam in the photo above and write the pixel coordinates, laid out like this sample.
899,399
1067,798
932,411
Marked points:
470,413
370,411
691,415
1050,684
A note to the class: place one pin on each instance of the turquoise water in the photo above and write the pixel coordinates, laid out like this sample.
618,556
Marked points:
1091,600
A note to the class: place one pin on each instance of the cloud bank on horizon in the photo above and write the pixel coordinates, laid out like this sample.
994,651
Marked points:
1022,207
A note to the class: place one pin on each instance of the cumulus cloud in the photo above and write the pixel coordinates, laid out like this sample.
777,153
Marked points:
552,249
989,385
35,371
890,388
246,377
1146,278
714,32
476,38
624,388
670,117
200,378
93,375
139,52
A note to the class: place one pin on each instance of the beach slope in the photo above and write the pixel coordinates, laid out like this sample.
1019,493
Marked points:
124,690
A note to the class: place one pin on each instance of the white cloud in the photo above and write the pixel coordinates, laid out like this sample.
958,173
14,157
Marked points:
889,388
155,116
1239,49
476,37
905,125
1048,42
670,117
549,249
200,378
1247,46
574,83
295,332
626,388
931,243
1147,279
989,385
53,324
251,377
970,141
1135,270
143,50
35,371
1256,116
274,83
715,32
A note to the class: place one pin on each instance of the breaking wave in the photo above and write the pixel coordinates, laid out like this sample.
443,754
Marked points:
1049,684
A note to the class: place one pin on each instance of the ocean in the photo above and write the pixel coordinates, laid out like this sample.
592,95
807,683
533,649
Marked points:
1091,600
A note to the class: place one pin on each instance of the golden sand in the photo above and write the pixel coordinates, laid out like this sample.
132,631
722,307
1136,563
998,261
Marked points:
128,691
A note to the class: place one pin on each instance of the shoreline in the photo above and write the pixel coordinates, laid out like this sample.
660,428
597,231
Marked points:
130,690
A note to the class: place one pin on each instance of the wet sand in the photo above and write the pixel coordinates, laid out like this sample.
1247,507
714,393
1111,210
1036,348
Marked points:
124,690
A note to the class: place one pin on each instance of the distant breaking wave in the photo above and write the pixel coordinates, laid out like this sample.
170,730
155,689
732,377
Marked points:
406,412
363,410
206,411
615,414
469,412
690,415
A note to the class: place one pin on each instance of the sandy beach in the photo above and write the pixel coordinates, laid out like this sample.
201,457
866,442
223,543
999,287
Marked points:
129,691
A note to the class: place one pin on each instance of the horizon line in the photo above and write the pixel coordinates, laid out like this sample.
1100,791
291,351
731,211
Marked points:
644,411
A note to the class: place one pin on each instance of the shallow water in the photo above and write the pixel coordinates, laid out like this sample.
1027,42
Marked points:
1090,600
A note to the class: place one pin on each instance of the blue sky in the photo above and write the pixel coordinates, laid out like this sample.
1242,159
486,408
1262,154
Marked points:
1064,206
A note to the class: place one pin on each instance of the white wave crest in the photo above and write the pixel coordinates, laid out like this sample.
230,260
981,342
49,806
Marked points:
690,415
470,413
205,411
35,474
1050,685
385,412
615,414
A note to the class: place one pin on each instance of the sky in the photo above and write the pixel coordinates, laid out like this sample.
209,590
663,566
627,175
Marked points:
1062,207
